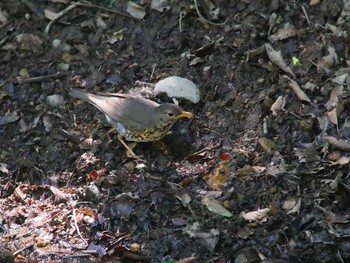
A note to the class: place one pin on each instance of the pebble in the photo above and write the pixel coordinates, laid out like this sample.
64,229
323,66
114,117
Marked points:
177,87
55,100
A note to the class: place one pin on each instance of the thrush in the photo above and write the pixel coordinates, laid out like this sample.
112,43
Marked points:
135,118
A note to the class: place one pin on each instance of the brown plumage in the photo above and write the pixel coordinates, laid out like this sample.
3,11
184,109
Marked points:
134,117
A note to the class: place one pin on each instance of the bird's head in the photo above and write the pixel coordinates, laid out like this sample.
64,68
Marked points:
169,113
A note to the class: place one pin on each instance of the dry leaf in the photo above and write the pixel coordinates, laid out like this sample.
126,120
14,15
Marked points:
297,89
266,144
3,17
218,177
9,118
287,31
337,31
343,160
135,10
278,105
314,2
215,207
332,115
160,5
335,94
116,36
50,15
259,215
276,58
247,170
296,207
329,60
29,42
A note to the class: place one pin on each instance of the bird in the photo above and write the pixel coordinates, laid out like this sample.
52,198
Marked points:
134,117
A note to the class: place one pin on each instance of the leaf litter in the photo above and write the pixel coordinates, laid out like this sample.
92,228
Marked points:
68,191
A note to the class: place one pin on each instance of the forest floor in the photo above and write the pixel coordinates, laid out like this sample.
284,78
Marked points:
259,174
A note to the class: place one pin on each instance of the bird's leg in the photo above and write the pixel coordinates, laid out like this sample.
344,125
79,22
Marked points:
120,139
121,131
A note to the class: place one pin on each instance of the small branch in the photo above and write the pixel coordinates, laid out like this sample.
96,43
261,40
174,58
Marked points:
40,78
305,14
77,227
75,4
105,9
58,16
206,20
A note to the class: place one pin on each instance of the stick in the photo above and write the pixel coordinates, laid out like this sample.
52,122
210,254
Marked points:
58,16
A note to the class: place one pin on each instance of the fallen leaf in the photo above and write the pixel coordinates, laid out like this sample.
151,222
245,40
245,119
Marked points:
276,58
135,10
215,207
297,89
116,36
258,215
332,115
267,144
287,31
9,118
220,174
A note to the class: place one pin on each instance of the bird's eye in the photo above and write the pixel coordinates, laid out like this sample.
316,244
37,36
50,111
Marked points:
170,114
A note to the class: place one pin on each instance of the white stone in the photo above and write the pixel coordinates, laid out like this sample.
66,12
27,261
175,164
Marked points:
55,100
177,87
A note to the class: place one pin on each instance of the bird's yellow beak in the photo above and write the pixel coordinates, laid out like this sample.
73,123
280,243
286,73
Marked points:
184,114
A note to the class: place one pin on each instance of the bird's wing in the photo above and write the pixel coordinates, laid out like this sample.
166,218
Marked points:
134,113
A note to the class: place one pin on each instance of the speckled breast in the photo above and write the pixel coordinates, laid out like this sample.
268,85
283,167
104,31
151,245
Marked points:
148,135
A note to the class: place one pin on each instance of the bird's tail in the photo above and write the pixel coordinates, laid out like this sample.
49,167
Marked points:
80,94
99,101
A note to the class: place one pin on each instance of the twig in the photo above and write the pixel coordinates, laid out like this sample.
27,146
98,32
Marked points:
40,78
105,9
339,256
3,41
318,66
77,227
148,176
22,249
305,14
293,114
206,20
86,255
75,4
58,16
182,15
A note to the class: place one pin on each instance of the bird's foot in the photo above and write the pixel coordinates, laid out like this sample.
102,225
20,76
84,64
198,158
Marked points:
130,152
